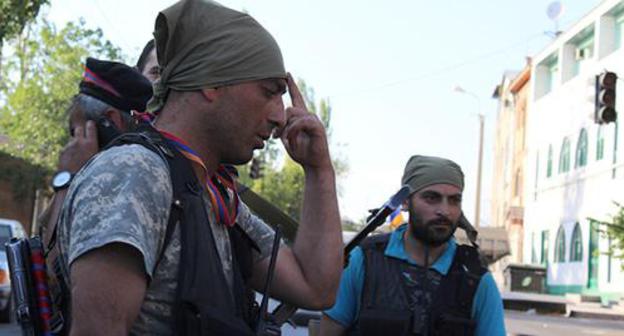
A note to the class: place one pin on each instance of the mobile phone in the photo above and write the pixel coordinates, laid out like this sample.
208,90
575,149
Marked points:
106,131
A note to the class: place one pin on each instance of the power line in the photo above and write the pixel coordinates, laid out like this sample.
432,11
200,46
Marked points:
444,69
114,27
451,67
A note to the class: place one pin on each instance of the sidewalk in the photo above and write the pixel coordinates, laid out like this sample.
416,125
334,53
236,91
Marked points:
566,306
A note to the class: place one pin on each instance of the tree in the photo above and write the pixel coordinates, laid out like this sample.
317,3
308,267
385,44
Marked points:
46,68
14,16
282,181
614,228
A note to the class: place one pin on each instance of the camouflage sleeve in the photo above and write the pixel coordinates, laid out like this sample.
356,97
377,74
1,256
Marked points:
122,196
259,231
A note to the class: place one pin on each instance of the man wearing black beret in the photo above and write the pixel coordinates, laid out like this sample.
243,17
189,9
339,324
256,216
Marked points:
108,93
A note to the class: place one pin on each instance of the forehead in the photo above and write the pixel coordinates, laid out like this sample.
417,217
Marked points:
442,189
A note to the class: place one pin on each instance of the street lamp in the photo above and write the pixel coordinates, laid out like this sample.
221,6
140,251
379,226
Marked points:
459,89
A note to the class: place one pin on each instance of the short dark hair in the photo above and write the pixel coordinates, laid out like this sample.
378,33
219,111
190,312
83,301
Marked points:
144,54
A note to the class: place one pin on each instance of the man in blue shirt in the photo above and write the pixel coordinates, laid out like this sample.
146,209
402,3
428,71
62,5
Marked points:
385,288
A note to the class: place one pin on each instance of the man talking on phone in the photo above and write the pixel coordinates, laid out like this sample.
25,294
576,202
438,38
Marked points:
108,92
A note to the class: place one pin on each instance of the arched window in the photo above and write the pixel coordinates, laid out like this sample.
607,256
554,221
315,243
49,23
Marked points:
564,156
576,246
549,163
560,245
581,150
600,143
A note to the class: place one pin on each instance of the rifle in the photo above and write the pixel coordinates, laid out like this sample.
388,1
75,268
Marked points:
283,312
29,285
266,326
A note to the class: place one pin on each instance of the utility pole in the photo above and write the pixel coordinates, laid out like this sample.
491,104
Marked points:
477,219
479,171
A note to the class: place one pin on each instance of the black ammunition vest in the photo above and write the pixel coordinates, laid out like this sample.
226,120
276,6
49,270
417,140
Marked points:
204,305
393,297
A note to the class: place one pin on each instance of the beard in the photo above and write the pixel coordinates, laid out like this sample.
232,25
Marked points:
434,233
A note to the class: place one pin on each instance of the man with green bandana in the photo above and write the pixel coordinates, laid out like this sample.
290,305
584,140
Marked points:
145,254
417,280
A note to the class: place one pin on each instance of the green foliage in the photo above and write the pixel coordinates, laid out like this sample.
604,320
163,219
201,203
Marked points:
42,76
283,184
15,14
614,228
350,225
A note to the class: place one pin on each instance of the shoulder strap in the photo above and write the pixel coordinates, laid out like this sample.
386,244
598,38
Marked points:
145,136
149,138
377,242
468,260
470,257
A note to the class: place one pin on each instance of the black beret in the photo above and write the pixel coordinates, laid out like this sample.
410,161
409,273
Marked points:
116,84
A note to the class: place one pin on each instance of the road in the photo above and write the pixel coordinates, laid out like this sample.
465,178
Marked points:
517,324
13,330
9,330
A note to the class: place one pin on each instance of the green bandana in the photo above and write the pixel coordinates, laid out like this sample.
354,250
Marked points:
201,44
423,171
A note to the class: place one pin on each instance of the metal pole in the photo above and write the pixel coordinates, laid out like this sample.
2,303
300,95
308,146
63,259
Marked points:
479,171
477,219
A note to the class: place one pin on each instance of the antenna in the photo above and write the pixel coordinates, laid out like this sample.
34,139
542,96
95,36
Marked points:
554,11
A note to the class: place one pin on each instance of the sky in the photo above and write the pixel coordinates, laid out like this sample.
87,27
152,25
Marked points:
388,68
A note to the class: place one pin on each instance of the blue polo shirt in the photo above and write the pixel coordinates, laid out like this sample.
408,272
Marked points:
487,306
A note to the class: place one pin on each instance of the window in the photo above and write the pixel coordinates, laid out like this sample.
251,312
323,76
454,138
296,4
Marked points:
564,156
576,246
600,143
553,74
584,49
545,246
581,150
619,29
547,75
536,176
560,245
533,249
549,163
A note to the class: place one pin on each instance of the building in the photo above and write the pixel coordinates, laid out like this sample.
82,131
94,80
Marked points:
574,167
509,158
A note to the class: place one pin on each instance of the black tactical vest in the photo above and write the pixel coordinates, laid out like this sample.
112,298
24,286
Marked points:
397,300
204,305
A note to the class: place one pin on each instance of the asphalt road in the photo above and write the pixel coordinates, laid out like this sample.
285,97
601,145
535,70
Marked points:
9,330
13,330
517,323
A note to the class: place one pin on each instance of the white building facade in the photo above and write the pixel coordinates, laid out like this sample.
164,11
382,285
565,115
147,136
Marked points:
574,166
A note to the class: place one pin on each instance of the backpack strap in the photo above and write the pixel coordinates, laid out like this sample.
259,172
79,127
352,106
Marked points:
377,242
149,138
468,259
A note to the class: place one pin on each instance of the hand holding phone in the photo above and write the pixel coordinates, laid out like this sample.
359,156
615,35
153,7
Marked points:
106,131
81,147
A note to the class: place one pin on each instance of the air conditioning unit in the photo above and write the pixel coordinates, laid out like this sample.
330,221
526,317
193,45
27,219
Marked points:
583,53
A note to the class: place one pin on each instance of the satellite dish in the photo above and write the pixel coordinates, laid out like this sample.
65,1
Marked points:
554,10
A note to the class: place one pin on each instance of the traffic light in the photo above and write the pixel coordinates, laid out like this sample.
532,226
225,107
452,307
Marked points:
605,98
255,171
